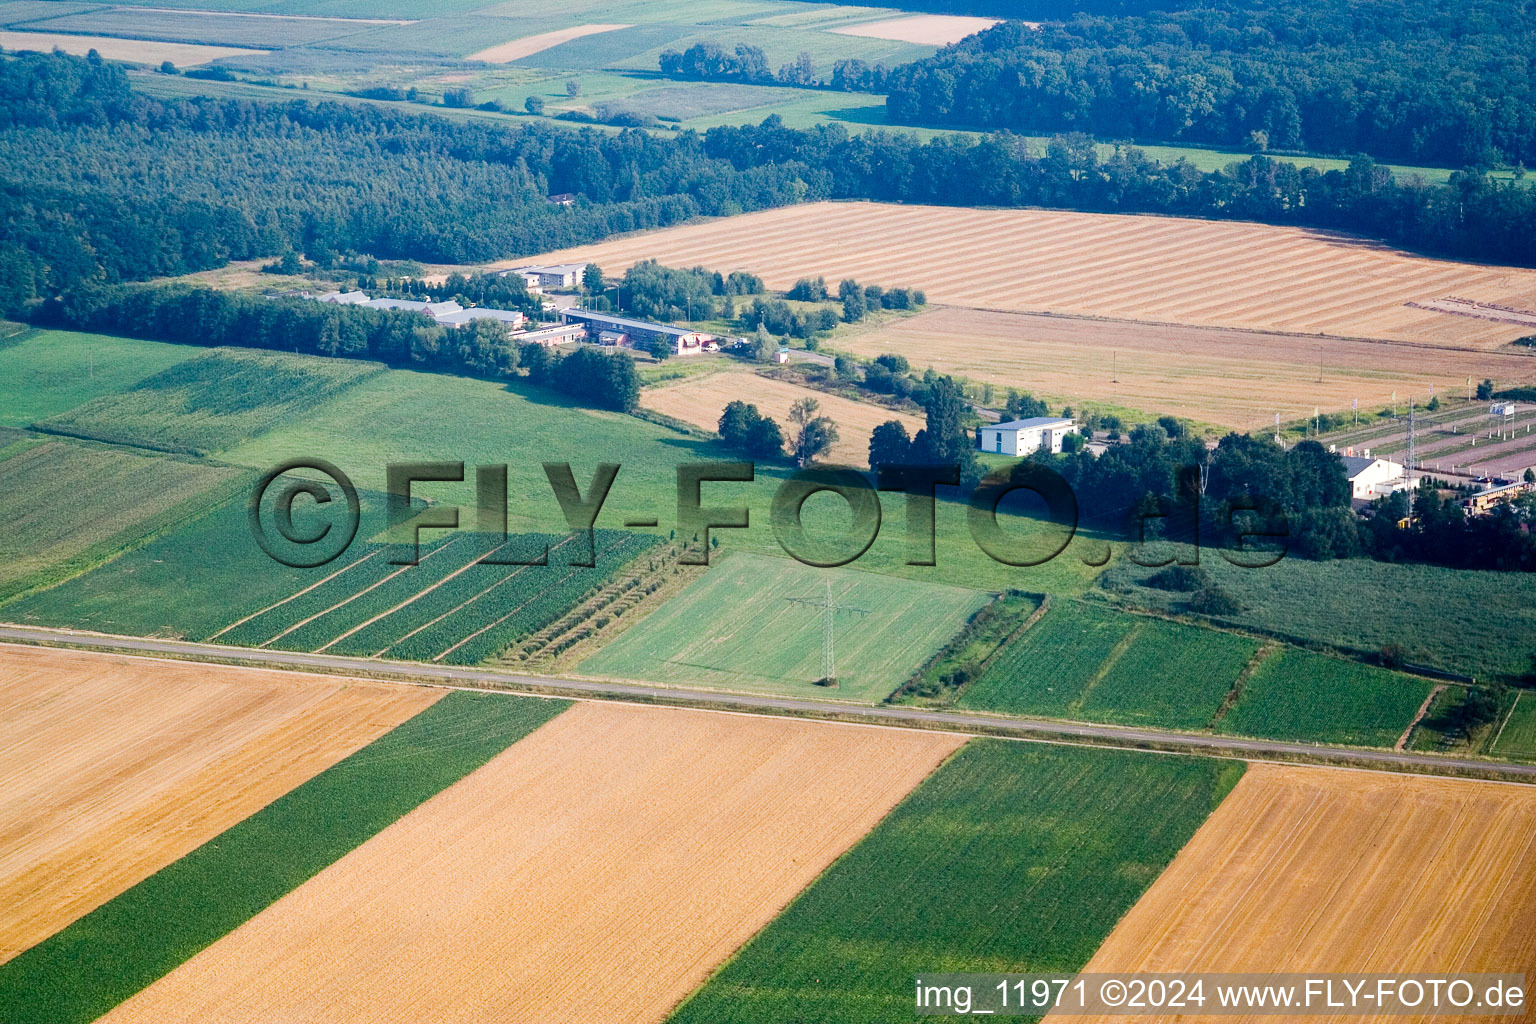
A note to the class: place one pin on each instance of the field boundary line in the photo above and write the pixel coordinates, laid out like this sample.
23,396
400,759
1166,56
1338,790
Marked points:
1434,691
461,606
410,600
296,594
1500,734
1115,654
1266,649
354,597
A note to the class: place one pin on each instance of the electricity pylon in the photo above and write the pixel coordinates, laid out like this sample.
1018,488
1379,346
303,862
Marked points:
829,609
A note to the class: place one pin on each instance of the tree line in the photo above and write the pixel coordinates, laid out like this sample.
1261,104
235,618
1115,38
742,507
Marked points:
1421,81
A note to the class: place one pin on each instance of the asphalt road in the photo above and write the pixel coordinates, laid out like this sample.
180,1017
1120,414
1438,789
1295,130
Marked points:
464,676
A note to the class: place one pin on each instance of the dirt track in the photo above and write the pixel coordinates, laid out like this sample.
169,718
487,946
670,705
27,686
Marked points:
111,768
1308,869
1163,269
596,870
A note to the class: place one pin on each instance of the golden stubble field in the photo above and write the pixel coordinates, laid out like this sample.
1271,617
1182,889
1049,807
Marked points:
598,869
1130,267
1230,378
1315,869
142,51
701,400
112,768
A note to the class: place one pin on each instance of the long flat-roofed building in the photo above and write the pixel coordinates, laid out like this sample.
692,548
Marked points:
684,340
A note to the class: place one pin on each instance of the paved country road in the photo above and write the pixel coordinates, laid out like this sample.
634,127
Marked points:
469,676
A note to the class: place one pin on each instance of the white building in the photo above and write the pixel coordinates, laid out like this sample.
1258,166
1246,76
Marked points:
1367,475
343,298
1020,437
557,275
684,342
552,335
432,309
511,317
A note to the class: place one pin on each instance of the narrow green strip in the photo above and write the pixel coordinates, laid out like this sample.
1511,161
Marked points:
1011,858
130,941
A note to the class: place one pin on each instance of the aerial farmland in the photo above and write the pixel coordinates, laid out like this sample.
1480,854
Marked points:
764,511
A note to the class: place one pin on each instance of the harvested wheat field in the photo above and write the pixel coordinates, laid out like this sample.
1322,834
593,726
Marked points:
932,29
111,768
597,870
1162,269
701,400
1234,379
1315,869
139,51
530,45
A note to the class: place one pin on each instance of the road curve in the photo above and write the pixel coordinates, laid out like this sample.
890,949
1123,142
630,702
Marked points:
468,676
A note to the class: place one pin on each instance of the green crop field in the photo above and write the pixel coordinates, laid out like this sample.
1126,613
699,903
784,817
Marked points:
1046,670
68,505
1087,662
1172,675
736,629
687,102
48,372
1012,857
781,45
1479,623
120,947
1518,738
213,402
1299,695
451,606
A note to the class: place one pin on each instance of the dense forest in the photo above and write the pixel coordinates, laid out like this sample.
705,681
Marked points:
1419,81
99,184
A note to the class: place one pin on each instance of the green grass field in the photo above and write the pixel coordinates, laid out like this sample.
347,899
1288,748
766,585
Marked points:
186,27
964,656
1172,675
736,629
68,505
1518,738
128,942
213,402
48,372
1012,857
1299,695
1479,623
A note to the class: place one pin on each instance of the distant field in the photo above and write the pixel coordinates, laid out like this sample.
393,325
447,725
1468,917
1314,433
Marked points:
1299,695
1341,871
610,49
195,27
139,51
1479,623
527,46
1162,269
782,45
1234,379
1518,738
701,400
1086,662
608,861
699,99
67,505
213,402
735,629
50,372
928,29
126,943
113,768
1012,857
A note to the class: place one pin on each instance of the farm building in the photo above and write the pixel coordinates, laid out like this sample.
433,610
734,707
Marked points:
684,342
343,298
555,275
563,199
1020,437
553,334
1367,475
432,309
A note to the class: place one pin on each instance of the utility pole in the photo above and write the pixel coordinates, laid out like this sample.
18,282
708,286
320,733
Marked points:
829,609
1408,469
1114,363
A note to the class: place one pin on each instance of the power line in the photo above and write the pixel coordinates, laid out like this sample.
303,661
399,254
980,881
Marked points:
829,609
